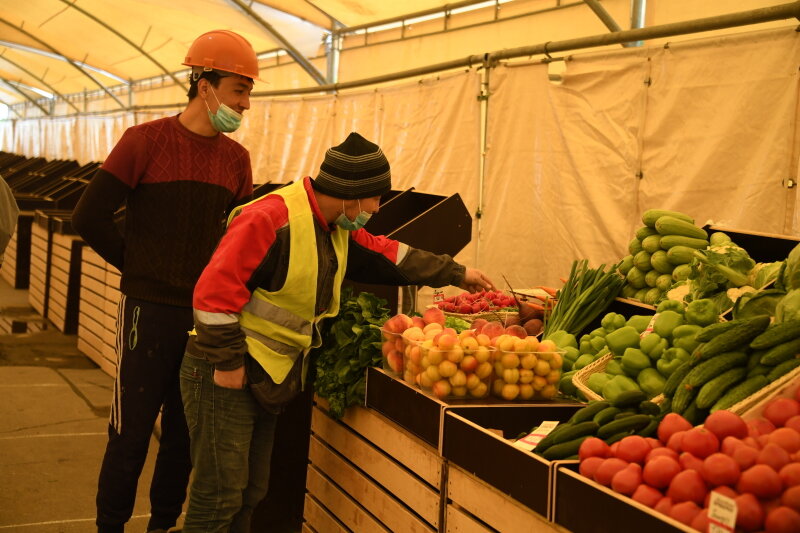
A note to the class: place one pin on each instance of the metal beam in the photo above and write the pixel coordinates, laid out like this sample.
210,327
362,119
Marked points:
40,80
732,20
638,10
24,95
440,9
296,55
603,15
334,20
11,107
65,58
138,48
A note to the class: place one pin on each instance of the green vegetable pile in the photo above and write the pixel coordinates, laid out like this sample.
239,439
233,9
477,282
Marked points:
351,342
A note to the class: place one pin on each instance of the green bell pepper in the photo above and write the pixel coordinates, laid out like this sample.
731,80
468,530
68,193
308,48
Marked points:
565,385
586,347
653,345
598,332
563,339
684,337
597,380
667,366
634,361
598,343
670,305
612,321
651,382
582,361
666,322
614,368
617,385
639,322
622,338
676,353
702,312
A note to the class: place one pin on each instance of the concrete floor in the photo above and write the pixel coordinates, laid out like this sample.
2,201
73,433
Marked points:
54,407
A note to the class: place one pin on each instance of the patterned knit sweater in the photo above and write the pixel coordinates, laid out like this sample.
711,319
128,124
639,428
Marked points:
177,187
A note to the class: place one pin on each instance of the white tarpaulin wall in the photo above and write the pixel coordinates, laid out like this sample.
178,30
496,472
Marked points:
714,129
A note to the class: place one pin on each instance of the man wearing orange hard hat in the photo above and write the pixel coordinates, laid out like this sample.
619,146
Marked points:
178,178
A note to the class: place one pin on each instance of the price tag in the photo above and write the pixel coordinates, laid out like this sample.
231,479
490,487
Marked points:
721,513
438,296
649,329
529,441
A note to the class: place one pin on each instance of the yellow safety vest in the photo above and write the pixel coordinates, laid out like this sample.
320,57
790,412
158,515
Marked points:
279,326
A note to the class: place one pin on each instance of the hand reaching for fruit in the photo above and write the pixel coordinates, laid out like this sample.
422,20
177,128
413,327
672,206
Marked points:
475,280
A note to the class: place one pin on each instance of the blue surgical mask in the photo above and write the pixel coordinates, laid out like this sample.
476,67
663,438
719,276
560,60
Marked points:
225,119
351,225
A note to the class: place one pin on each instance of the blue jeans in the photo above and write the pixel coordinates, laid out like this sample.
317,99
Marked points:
231,438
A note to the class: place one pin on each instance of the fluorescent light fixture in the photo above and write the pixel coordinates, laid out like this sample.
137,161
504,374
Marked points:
36,90
52,55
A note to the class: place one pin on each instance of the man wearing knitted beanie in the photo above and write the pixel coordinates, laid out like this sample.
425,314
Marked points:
257,306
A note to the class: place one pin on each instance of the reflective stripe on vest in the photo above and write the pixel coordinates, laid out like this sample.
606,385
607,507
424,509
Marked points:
279,325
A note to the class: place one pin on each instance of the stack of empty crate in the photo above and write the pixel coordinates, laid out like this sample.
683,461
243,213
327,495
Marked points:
97,323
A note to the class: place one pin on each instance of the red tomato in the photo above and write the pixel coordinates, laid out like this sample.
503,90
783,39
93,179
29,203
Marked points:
761,481
690,462
759,426
607,469
774,456
750,515
659,471
779,410
626,480
675,441
663,450
700,442
745,457
687,486
589,466
647,495
790,475
725,491
782,520
633,449
701,522
671,424
684,512
664,505
729,445
720,469
654,443
793,422
752,442
725,423
786,438
791,497
593,447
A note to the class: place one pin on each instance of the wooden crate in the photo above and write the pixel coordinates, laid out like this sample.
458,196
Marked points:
17,259
38,287
65,272
93,317
473,506
366,473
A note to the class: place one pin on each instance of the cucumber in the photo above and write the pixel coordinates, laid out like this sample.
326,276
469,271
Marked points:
755,359
777,334
676,378
548,440
575,431
606,415
588,412
629,423
780,353
618,437
651,216
629,398
665,406
668,241
684,396
651,243
740,392
759,370
783,368
709,332
644,232
564,449
649,408
650,429
679,255
713,367
623,414
694,415
733,338
635,246
716,387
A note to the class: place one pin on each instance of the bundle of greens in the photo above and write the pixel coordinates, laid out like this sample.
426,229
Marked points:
586,293
351,342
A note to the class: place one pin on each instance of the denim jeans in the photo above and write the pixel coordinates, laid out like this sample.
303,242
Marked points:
231,440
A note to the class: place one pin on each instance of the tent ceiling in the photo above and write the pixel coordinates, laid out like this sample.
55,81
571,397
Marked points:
108,37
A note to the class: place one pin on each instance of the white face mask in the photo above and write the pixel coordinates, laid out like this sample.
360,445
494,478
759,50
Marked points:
351,225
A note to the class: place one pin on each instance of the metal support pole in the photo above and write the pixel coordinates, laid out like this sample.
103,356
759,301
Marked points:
603,15
638,10
333,50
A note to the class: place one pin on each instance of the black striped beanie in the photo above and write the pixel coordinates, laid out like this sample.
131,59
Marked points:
356,168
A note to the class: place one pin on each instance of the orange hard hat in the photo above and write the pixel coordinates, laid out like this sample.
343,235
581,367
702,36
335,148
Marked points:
223,50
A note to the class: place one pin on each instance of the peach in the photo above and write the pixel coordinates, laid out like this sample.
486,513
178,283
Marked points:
473,381
467,334
533,344
409,377
442,388
526,376
478,324
468,364
459,379
435,356
542,368
493,329
415,354
511,375
484,370
505,343
469,344
483,339
413,334
553,377
556,360
547,346
433,315
509,360
456,354
435,326
424,380
445,341
480,391
526,392
517,331
549,392
460,392
497,387
395,362
433,373
418,322
539,383
509,391
529,361
447,368
482,354
520,345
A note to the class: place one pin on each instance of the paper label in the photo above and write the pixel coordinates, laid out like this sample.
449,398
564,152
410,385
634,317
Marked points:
649,329
721,513
529,441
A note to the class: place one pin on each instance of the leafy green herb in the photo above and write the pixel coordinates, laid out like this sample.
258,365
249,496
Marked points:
351,342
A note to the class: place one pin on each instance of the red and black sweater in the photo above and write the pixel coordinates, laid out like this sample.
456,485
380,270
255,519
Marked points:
177,187
254,253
